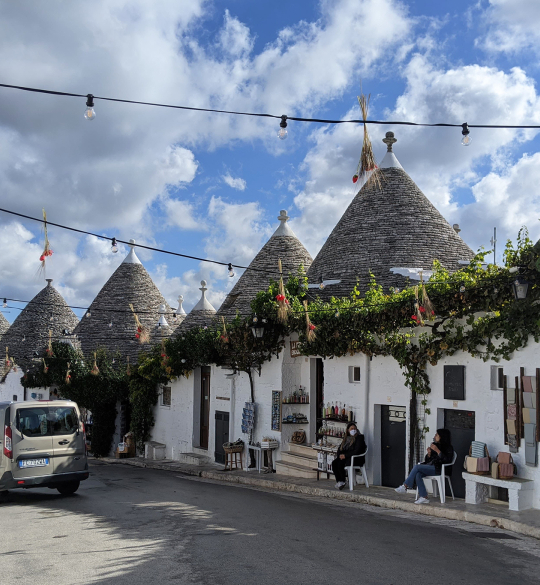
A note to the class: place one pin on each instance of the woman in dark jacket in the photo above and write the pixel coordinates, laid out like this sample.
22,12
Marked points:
353,444
439,453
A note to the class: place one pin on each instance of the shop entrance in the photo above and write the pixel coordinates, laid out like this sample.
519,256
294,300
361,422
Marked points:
461,424
205,407
393,444
222,435
319,389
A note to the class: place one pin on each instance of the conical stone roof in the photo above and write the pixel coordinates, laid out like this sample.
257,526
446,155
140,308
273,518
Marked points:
202,314
282,245
4,325
29,333
391,226
109,322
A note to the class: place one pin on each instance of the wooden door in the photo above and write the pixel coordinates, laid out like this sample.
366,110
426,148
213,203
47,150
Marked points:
222,435
461,425
393,444
205,408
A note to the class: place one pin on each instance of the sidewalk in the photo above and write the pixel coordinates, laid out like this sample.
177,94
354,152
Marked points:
494,515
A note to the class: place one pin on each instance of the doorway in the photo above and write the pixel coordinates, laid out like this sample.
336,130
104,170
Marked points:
222,435
204,423
461,423
319,391
393,444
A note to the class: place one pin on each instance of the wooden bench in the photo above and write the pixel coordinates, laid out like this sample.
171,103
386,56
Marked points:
520,491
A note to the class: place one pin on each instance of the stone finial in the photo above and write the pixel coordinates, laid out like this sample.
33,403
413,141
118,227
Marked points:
49,280
283,217
132,244
131,258
456,228
203,287
162,320
389,140
180,310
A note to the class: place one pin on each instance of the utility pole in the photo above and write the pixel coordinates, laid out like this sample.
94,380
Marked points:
493,242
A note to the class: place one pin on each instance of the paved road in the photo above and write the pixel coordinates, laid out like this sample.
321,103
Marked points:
129,525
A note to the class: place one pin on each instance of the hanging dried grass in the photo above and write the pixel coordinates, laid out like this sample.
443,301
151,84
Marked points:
46,246
310,328
143,334
417,309
367,168
283,303
8,362
49,351
426,302
45,366
224,337
95,370
67,379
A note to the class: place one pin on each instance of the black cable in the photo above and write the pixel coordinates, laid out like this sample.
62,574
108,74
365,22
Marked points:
260,115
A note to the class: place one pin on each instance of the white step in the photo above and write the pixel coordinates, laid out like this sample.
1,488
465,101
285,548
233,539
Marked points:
297,459
193,459
294,470
304,450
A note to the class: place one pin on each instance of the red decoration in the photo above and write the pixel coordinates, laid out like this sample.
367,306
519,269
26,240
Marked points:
355,178
280,298
312,327
42,257
414,318
137,336
422,310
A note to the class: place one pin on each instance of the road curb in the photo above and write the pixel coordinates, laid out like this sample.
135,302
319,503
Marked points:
438,512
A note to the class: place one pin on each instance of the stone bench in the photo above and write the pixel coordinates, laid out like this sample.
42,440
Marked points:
520,491
154,450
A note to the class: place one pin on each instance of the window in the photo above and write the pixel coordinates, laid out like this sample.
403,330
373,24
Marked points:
32,422
354,374
166,396
44,421
64,420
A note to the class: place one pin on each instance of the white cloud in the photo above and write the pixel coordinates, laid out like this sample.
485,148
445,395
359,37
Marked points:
512,26
235,38
180,214
433,157
237,183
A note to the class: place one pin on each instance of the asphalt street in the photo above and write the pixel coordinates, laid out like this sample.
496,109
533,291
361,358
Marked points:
130,525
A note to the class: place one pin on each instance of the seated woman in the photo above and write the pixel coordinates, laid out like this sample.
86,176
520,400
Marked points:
353,444
439,453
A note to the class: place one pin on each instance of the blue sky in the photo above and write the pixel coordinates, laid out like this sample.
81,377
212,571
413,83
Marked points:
213,185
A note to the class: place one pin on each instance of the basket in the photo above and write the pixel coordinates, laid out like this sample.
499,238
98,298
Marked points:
235,449
480,472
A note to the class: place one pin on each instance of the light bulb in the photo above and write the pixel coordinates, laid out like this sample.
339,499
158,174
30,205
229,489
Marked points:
5,304
231,271
183,361
337,314
321,286
111,324
282,134
466,140
114,246
88,314
90,113
462,288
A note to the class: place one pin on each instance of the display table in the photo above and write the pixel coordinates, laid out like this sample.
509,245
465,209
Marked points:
258,453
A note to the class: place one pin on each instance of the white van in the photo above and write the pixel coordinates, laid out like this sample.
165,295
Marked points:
42,444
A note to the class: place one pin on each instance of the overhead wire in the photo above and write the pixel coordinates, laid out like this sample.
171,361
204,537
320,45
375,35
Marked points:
266,115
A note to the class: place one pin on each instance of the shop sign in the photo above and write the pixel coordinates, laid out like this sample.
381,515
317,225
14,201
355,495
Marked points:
295,349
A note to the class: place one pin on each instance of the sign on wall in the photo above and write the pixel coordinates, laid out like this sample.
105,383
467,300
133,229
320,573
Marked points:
295,351
454,382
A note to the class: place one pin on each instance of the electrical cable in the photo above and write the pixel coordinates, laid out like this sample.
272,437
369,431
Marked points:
263,115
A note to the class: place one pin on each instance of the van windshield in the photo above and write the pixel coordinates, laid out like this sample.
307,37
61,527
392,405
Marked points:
39,421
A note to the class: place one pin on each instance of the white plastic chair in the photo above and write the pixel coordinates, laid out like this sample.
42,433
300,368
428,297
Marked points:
351,471
438,482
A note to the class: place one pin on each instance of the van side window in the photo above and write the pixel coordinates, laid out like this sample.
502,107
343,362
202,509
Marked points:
32,422
64,420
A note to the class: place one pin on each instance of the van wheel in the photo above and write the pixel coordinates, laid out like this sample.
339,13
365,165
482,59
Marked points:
68,488
4,496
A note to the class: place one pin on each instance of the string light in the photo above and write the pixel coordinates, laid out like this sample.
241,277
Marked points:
5,304
466,140
88,314
90,113
114,246
282,134
231,271
110,323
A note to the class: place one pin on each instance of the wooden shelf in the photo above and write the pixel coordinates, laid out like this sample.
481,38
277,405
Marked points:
345,422
286,422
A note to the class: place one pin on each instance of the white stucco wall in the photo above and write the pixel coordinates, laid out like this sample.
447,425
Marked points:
12,387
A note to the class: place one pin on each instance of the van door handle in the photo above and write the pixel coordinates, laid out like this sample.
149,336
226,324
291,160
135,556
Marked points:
63,442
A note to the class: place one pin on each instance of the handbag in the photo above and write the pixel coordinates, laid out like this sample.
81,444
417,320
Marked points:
507,467
478,461
298,437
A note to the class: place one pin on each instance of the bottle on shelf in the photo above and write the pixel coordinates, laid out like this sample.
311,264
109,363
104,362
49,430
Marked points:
350,415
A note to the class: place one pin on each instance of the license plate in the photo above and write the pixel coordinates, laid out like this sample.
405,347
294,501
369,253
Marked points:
33,463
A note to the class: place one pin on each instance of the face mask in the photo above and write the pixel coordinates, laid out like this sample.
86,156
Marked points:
353,432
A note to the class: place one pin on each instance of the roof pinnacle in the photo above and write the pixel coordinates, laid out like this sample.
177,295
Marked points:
389,140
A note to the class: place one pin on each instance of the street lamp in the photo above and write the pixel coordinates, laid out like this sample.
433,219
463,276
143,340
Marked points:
258,327
520,287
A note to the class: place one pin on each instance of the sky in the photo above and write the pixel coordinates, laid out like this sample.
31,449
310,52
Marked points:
212,185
